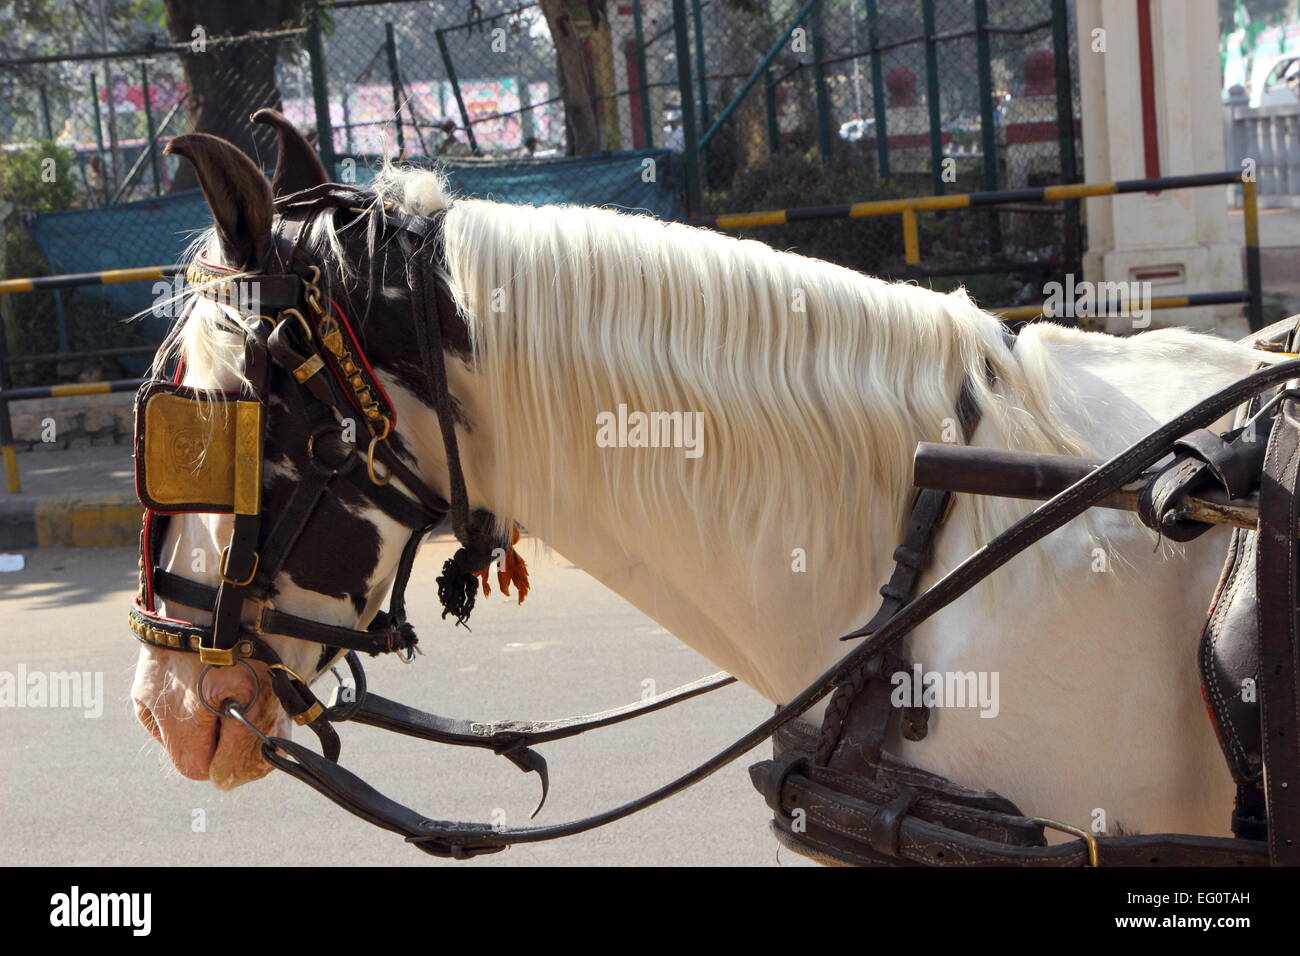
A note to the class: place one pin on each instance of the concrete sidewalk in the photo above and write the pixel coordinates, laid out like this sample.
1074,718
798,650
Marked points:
72,497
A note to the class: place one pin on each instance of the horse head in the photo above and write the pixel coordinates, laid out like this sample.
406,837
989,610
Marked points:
314,345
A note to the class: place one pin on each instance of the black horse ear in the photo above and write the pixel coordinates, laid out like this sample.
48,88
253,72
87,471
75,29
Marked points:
297,166
237,193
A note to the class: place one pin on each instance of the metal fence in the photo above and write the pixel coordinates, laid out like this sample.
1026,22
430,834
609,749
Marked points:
114,110
768,104
876,100
1267,138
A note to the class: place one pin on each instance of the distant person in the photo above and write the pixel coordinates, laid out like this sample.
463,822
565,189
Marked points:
528,150
450,145
675,136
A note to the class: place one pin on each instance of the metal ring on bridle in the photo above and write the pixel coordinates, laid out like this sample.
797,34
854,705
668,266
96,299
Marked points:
345,709
378,479
230,701
313,291
302,320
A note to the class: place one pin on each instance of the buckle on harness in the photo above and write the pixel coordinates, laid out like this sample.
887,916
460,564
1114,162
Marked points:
1083,835
225,558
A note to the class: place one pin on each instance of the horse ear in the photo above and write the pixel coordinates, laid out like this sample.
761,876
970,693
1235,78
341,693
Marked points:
297,166
237,193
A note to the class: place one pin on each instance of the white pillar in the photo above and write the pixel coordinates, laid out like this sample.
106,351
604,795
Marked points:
1181,233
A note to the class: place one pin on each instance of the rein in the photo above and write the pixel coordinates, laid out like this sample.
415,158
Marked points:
293,347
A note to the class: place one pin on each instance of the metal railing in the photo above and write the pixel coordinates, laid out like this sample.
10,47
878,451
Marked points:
908,208
1267,138
8,394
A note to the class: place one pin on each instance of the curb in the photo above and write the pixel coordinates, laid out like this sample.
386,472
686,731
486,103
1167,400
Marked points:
85,521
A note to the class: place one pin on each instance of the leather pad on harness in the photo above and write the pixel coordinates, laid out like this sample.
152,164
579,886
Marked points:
197,451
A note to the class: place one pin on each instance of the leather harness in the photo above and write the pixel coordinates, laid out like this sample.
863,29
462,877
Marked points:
835,793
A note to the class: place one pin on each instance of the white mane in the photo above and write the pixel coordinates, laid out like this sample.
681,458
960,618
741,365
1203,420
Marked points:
816,382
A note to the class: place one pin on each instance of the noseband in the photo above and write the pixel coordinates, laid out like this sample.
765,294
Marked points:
300,348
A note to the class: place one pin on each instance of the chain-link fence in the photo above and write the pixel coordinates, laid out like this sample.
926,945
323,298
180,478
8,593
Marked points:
87,133
113,111
486,81
738,104
877,99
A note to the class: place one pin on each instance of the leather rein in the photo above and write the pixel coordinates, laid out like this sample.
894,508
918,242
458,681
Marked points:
302,351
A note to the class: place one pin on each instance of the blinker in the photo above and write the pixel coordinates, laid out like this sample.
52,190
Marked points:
197,452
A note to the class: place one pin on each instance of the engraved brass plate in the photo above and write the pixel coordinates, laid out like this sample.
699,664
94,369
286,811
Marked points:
198,453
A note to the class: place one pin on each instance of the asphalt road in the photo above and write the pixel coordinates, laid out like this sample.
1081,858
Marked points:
78,790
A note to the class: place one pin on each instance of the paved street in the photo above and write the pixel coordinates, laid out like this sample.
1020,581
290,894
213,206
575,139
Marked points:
98,791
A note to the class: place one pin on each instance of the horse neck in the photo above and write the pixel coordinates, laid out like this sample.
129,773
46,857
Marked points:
762,597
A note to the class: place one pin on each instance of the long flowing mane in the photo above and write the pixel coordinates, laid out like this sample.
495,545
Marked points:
815,381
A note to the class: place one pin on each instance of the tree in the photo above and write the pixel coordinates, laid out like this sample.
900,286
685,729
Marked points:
228,82
571,23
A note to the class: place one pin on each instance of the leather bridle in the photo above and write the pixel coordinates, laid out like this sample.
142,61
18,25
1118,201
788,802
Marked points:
300,348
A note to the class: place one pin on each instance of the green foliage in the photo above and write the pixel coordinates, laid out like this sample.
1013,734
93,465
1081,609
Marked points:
1269,11
31,183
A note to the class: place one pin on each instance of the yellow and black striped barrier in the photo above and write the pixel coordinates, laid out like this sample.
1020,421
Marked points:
1126,306
7,395
107,277
74,388
908,209
7,450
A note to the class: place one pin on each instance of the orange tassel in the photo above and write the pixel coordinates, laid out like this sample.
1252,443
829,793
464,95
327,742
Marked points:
511,570
514,570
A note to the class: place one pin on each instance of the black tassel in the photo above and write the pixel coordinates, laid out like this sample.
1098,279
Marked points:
457,588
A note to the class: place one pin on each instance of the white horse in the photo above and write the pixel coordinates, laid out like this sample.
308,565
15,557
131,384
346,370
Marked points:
815,383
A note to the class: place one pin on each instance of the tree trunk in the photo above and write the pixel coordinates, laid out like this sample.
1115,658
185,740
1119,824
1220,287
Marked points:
227,82
580,124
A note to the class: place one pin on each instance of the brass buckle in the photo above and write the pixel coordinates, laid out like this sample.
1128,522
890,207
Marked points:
312,712
309,715
288,670
1083,835
225,558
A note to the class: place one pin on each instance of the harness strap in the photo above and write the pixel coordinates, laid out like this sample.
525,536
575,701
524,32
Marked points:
240,560
830,821
863,701
1279,683
498,735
